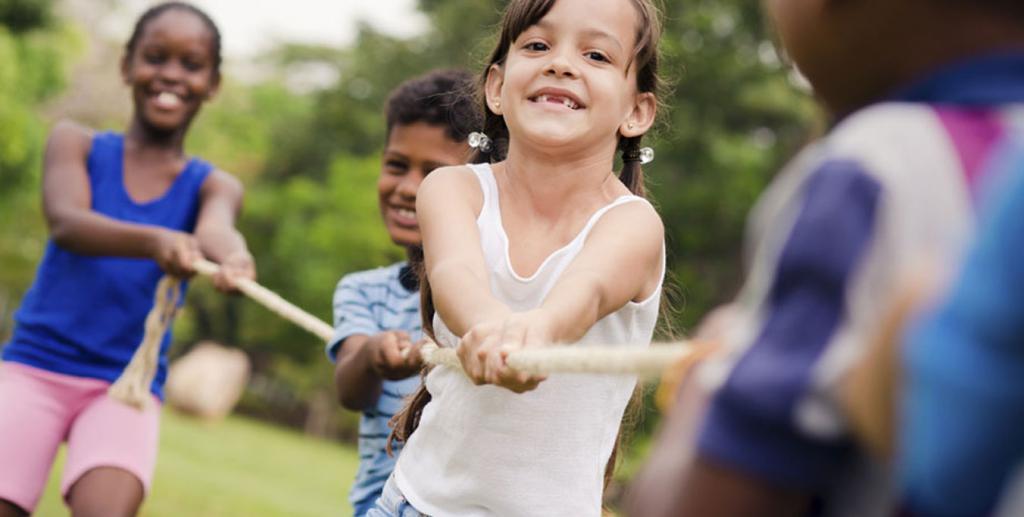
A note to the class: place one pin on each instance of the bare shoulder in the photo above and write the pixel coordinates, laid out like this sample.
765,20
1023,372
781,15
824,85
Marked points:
450,184
68,136
636,219
222,182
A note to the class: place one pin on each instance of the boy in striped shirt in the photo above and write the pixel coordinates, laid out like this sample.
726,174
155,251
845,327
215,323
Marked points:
377,312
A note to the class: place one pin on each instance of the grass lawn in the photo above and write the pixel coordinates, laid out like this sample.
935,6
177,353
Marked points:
238,467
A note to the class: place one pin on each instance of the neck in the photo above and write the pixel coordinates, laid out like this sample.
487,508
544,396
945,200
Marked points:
948,35
163,142
551,180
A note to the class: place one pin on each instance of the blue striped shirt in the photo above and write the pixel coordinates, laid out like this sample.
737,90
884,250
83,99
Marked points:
368,303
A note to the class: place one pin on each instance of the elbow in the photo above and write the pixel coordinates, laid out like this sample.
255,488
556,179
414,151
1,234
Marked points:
62,231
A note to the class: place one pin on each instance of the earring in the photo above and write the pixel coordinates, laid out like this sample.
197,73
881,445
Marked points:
497,105
644,155
630,126
479,141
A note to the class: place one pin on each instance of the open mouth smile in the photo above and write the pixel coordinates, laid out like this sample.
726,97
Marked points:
563,98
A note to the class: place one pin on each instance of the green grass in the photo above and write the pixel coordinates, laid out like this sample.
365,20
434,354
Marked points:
238,467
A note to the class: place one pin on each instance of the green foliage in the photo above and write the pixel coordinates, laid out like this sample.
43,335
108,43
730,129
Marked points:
25,15
33,58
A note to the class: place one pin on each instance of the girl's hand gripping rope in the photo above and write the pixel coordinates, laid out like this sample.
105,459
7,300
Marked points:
484,350
237,265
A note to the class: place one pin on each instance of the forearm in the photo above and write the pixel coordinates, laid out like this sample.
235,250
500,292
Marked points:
89,233
358,385
575,304
463,299
219,242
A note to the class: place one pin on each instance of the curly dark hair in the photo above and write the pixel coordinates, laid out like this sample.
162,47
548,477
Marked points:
439,98
153,12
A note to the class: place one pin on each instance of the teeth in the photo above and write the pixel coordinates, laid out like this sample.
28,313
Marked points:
567,102
168,100
402,212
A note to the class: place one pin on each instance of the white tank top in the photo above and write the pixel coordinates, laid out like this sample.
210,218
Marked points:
484,450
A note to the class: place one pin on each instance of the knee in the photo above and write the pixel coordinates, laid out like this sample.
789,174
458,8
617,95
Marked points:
106,492
9,509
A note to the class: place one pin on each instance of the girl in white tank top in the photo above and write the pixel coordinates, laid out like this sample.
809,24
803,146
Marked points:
546,247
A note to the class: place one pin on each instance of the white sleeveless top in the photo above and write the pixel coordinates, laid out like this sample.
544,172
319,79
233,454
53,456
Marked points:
484,450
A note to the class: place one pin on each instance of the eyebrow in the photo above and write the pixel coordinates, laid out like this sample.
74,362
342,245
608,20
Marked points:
593,33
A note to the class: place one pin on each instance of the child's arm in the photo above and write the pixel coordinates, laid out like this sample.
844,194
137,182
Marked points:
364,354
73,225
446,208
221,198
364,362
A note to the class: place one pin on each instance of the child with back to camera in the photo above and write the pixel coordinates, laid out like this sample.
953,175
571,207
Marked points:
925,94
545,245
122,210
377,312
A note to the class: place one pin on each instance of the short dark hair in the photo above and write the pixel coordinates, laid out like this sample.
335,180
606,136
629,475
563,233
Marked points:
155,11
440,98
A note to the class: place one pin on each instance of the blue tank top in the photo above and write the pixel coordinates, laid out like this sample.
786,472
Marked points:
85,315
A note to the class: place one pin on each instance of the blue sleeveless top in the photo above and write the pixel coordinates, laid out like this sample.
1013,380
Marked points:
85,315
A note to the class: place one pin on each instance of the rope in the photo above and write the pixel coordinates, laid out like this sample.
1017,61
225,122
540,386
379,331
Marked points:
608,360
273,302
132,387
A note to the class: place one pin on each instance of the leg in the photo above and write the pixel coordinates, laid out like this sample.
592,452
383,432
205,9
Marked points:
106,491
111,457
9,509
34,415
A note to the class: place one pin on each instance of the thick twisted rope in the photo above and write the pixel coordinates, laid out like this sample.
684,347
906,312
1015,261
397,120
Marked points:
133,385
273,302
608,360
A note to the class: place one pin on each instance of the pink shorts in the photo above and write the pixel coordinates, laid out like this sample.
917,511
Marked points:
40,409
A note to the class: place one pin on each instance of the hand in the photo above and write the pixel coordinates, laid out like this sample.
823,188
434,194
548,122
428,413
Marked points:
236,265
175,252
485,348
393,356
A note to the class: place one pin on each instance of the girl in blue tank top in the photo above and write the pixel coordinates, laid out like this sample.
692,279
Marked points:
123,210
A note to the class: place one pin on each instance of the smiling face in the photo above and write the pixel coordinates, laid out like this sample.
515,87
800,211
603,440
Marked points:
412,151
171,70
569,78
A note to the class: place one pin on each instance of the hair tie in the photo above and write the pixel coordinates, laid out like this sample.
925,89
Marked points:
479,141
644,155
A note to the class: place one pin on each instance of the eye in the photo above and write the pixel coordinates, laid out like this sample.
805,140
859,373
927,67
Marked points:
535,46
597,56
396,167
192,64
153,57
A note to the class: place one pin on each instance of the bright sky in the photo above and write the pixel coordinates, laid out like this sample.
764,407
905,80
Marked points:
251,26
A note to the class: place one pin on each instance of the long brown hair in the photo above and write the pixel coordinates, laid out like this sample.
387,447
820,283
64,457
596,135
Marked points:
518,17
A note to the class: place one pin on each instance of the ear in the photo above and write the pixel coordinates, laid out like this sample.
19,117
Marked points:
214,86
126,68
641,117
492,88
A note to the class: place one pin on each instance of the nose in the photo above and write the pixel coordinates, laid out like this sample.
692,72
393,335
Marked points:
561,65
410,183
171,71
